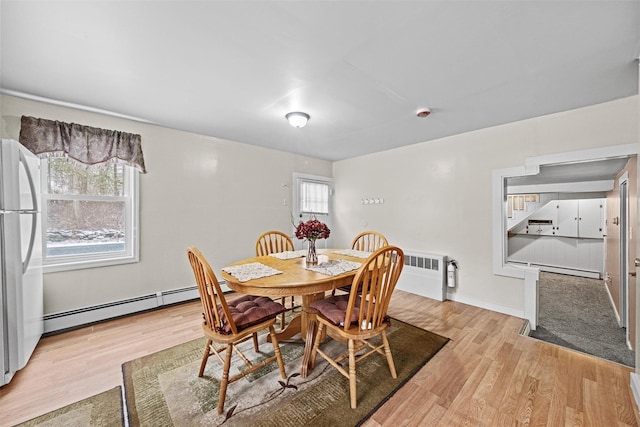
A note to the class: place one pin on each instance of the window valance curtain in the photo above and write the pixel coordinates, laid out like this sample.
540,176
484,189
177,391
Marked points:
84,144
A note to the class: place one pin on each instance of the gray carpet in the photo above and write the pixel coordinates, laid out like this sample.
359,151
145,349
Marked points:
576,313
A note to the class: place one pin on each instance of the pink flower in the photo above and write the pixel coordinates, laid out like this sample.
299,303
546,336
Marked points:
312,230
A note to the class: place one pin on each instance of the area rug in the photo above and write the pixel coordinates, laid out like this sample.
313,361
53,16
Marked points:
102,410
163,389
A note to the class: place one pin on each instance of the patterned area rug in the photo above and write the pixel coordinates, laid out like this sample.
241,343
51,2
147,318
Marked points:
101,410
163,389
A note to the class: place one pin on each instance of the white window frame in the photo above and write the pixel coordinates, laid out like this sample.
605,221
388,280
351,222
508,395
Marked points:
302,200
131,254
297,215
299,180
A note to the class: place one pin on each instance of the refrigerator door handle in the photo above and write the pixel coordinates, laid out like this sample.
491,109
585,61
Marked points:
33,213
32,239
34,194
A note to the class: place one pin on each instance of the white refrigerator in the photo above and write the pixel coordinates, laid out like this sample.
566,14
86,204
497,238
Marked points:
21,318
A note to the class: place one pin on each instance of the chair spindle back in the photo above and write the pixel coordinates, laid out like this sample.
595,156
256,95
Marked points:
273,242
369,241
211,294
374,283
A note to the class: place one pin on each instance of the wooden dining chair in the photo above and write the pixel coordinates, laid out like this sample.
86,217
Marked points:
229,323
366,312
367,241
273,242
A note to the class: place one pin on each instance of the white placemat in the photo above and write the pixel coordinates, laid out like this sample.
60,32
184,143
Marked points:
290,254
334,267
253,270
353,253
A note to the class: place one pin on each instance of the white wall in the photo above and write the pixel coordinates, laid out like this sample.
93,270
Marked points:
569,255
208,192
221,195
437,195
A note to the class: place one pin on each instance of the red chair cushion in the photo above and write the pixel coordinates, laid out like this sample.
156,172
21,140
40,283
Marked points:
249,310
334,309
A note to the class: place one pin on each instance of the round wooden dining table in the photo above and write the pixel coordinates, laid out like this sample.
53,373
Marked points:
295,280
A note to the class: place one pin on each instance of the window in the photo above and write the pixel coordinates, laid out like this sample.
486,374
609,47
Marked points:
90,215
311,197
314,197
517,202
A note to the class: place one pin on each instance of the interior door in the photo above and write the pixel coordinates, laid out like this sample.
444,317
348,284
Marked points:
4,355
635,268
312,198
624,256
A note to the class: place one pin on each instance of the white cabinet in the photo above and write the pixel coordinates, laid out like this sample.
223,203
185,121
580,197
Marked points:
563,234
540,227
567,214
539,223
582,218
591,218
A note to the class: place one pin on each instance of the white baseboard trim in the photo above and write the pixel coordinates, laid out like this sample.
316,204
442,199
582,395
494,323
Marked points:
64,320
635,387
83,316
483,304
613,304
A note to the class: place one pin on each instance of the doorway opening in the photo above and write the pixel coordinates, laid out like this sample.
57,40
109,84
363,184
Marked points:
573,176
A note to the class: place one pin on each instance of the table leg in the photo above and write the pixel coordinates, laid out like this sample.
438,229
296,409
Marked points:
309,324
293,328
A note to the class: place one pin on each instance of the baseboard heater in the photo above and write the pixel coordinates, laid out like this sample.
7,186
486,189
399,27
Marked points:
424,274
71,319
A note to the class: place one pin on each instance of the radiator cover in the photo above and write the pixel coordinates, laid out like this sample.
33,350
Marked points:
424,274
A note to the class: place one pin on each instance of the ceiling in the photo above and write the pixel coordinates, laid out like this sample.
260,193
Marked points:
583,172
361,70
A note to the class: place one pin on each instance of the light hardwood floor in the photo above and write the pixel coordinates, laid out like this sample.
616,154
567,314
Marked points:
487,375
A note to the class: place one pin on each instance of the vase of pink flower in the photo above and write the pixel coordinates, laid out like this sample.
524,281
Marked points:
311,231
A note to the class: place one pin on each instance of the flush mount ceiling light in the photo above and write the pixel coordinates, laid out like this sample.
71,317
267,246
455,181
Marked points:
297,119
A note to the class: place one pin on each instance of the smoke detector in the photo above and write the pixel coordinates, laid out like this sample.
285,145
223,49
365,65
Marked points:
424,112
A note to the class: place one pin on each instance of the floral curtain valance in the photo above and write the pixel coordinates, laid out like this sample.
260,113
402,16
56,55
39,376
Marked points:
84,144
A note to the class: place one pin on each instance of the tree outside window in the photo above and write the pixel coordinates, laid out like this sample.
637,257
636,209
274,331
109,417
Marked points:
89,213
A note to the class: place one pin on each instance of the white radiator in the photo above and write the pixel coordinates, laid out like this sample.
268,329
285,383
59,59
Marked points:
424,274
